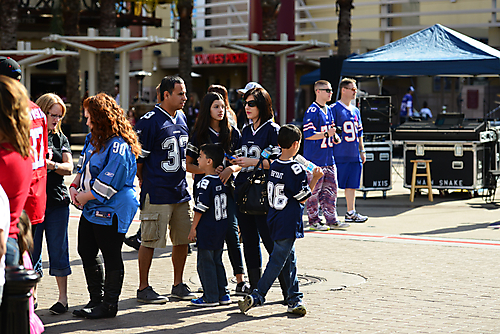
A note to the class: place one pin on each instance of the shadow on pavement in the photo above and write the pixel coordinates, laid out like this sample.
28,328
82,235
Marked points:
141,318
461,228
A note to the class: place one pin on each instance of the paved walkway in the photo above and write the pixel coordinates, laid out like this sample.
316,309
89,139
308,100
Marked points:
417,267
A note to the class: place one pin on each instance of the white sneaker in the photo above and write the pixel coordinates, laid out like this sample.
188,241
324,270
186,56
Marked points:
318,227
355,218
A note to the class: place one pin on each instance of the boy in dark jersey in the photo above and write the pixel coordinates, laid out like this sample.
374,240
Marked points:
287,190
210,227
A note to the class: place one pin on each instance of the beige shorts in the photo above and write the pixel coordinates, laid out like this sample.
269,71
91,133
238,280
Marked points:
155,218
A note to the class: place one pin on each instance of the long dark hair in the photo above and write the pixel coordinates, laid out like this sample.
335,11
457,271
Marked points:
263,102
203,123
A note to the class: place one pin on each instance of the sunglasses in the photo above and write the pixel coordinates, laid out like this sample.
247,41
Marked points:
353,89
328,90
250,103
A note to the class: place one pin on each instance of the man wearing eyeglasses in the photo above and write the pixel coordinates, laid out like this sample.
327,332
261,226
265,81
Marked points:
350,154
319,138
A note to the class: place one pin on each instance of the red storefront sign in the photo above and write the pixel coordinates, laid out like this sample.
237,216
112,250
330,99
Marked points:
220,58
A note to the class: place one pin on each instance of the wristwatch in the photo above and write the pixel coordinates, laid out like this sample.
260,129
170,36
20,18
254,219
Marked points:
327,134
56,165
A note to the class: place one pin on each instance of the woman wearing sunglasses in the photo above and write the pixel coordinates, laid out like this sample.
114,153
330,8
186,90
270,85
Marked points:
259,134
212,126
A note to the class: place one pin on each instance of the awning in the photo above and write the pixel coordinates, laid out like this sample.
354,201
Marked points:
311,77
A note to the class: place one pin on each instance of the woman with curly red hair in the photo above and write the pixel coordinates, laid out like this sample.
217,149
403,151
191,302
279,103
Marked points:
104,189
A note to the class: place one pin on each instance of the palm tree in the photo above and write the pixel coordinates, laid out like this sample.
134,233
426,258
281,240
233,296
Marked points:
270,10
107,27
344,8
9,19
71,16
185,11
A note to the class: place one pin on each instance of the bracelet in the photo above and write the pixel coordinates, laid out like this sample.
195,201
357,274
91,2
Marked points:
73,185
362,151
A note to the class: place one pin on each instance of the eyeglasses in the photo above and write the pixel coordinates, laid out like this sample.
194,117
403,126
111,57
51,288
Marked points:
54,116
328,90
250,103
352,88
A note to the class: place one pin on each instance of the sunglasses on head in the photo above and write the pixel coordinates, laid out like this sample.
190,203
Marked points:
250,103
328,90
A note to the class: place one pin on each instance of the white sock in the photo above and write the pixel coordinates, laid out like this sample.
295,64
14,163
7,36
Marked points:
351,212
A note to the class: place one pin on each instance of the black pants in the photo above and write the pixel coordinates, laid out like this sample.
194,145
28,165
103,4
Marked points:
94,237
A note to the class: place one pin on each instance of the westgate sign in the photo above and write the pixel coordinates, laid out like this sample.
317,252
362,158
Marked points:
220,58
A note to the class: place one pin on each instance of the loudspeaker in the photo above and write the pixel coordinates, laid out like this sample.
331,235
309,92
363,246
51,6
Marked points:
330,71
375,113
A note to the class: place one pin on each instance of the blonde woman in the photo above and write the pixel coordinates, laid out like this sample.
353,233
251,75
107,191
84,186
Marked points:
55,225
15,162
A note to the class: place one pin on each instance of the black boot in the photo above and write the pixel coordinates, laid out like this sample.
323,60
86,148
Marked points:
95,285
112,289
254,275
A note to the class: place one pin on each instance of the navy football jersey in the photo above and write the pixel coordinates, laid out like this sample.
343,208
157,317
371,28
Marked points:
109,175
349,119
211,202
164,139
318,119
286,187
252,144
193,147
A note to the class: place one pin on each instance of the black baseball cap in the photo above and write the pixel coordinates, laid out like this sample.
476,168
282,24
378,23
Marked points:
9,67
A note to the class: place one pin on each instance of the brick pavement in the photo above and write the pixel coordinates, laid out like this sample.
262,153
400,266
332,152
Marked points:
411,286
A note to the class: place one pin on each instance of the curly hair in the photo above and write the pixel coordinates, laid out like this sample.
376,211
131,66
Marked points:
14,115
46,101
109,120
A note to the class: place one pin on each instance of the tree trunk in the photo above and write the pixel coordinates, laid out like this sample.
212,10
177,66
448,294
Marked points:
71,16
185,9
9,19
107,27
344,8
270,11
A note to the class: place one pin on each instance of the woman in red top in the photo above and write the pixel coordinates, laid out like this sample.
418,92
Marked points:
15,163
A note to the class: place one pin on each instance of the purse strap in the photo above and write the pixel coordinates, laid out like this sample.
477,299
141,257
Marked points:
260,165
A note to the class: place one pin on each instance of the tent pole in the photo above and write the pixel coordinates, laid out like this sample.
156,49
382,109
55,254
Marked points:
338,90
380,81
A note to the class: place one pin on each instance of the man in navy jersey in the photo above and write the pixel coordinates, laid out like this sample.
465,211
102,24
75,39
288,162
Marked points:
350,154
320,137
161,169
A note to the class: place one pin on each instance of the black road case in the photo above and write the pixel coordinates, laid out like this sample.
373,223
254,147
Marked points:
377,170
455,165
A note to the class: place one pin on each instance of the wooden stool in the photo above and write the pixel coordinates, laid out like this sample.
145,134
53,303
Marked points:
414,178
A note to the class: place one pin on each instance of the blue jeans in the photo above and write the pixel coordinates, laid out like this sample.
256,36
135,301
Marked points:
12,254
284,260
253,228
232,238
55,226
212,274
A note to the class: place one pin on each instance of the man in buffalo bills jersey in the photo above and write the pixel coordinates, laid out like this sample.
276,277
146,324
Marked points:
161,169
287,190
209,228
320,137
350,154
